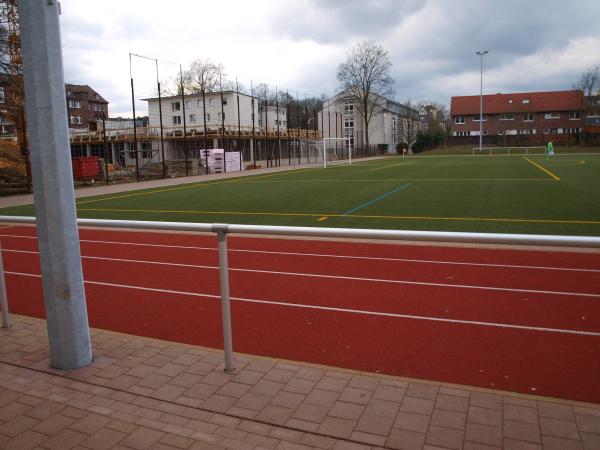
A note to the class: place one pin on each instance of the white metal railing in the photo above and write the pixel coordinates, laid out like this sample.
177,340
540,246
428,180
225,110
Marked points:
222,230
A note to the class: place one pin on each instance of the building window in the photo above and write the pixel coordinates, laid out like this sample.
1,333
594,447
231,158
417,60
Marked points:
574,115
528,117
188,104
207,116
75,104
68,92
199,103
219,116
210,101
525,132
507,117
224,100
78,120
476,118
348,107
525,101
175,106
1,95
459,119
176,120
71,119
192,118
552,115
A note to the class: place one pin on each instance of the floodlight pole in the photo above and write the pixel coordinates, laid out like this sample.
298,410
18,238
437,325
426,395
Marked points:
54,198
481,53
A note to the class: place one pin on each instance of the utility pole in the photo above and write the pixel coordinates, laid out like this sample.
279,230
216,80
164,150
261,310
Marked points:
60,256
481,100
185,143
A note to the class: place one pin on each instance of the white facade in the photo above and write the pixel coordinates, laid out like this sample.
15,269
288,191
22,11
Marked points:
271,117
172,111
390,124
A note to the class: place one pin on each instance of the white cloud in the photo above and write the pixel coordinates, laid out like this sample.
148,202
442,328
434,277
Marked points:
538,45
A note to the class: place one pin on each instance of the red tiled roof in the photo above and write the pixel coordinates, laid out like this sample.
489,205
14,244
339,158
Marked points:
513,103
86,90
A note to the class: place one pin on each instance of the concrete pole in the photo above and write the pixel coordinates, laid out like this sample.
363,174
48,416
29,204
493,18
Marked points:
60,258
481,99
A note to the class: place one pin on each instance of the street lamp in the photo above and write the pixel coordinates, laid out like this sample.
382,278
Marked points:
481,100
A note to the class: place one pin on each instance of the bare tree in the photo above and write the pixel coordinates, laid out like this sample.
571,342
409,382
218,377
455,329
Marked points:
365,76
589,82
264,92
204,76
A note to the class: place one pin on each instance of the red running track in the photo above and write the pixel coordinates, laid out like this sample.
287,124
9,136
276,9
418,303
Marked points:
525,321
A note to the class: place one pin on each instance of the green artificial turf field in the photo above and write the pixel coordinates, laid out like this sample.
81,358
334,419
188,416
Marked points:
515,194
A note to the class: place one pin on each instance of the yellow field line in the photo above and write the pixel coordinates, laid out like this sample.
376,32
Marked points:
354,216
179,188
543,169
392,165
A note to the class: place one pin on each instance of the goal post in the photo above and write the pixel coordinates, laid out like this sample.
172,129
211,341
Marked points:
336,151
508,151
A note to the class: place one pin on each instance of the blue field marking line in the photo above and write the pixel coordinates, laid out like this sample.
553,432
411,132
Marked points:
370,202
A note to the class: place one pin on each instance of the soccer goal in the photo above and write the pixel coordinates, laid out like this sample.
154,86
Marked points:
336,151
507,151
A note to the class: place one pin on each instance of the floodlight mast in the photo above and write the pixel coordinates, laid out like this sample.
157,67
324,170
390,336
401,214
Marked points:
48,136
481,53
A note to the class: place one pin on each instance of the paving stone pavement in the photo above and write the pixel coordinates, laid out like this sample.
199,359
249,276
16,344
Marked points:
142,393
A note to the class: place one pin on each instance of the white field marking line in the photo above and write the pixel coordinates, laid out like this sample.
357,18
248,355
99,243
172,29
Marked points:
326,255
334,309
392,165
339,277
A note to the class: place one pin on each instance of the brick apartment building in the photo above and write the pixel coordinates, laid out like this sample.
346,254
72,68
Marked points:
8,105
85,107
528,118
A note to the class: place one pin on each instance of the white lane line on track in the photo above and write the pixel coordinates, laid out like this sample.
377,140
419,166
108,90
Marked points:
339,277
345,310
326,255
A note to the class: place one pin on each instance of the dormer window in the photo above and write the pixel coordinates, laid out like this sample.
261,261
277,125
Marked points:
525,101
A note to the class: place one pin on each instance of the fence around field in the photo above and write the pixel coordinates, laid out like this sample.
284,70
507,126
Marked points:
222,230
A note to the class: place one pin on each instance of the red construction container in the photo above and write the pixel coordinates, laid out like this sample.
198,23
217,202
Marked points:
85,167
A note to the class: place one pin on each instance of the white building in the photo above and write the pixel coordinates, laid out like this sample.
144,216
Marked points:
272,117
390,124
172,111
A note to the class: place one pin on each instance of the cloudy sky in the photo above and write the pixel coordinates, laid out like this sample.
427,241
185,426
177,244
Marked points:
534,45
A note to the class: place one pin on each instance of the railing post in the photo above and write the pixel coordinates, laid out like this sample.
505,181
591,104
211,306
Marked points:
3,299
221,230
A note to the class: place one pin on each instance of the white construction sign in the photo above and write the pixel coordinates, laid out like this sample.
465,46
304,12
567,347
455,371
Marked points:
216,163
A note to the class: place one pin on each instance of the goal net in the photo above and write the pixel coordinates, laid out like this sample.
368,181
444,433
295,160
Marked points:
336,151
